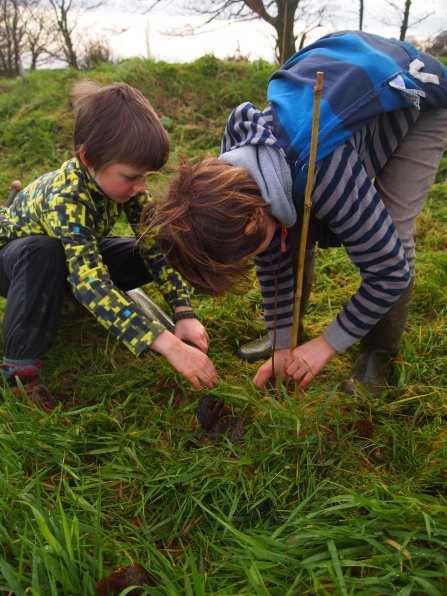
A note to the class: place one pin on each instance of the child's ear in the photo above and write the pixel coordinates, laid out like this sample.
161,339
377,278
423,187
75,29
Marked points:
82,158
257,219
250,227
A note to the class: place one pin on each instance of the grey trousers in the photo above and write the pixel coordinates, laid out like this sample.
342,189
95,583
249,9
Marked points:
403,183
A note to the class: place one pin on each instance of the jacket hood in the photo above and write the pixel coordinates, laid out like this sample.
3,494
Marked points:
249,142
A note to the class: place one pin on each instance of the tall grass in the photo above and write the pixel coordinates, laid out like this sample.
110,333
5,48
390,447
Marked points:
326,494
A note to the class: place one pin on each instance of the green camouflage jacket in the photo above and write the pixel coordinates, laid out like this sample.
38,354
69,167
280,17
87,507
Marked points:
68,205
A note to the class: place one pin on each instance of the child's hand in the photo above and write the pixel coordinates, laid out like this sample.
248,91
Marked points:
189,362
265,372
311,356
192,330
316,354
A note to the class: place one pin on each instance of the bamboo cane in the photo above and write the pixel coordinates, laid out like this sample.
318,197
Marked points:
307,206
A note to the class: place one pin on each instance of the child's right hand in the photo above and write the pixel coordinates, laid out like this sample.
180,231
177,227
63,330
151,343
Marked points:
190,362
305,362
266,373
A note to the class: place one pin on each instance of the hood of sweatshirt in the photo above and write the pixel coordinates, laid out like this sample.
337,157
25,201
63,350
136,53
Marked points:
249,142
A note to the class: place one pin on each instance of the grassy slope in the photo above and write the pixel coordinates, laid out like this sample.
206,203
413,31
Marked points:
307,503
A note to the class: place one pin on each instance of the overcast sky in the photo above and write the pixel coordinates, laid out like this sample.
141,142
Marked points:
253,39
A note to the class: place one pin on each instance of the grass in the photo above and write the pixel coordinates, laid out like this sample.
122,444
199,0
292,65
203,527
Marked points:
327,494
192,100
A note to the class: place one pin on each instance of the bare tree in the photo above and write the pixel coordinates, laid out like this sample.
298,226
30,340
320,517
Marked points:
66,27
438,47
27,33
308,19
12,34
38,31
68,14
283,15
402,9
405,17
361,13
41,35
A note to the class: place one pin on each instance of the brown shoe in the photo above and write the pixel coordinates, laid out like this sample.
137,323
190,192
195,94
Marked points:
39,395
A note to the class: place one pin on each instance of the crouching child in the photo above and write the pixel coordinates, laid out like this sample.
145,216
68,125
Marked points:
57,230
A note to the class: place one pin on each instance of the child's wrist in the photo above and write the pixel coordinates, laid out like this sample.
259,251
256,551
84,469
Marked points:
164,342
183,315
182,308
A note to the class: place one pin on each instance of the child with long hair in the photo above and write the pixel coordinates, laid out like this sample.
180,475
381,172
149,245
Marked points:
383,130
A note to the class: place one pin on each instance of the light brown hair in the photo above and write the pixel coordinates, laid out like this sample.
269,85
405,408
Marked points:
201,224
117,124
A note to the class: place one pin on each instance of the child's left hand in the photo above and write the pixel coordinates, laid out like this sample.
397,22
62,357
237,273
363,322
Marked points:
192,330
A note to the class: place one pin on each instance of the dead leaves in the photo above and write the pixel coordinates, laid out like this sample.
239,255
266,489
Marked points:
119,580
215,417
365,429
210,411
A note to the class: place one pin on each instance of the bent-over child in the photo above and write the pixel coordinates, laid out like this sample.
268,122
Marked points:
57,229
383,129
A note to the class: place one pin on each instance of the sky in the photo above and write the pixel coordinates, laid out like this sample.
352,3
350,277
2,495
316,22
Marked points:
148,35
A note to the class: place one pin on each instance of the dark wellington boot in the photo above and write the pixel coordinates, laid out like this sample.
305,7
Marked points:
374,365
150,308
261,349
257,349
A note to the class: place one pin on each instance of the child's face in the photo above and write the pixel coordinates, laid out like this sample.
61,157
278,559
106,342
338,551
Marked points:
120,181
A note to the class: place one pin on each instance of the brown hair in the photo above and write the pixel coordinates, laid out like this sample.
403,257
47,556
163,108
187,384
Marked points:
201,223
117,124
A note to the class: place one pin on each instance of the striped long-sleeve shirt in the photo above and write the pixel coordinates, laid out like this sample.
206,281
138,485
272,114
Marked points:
371,96
344,196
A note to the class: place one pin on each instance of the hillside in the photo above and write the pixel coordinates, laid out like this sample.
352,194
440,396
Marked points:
322,493
193,100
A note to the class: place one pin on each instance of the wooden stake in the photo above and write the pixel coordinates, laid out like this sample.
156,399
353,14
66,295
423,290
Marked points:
16,187
307,206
